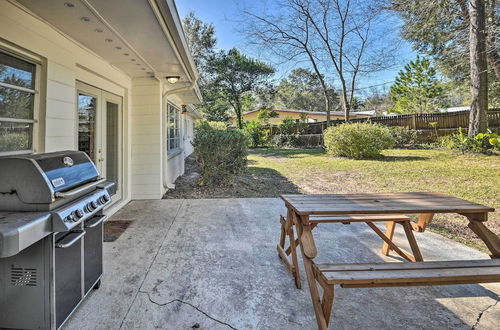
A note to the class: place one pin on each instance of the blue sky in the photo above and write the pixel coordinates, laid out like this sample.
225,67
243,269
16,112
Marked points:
224,15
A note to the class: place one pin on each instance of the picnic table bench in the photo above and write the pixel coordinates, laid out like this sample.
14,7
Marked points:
305,212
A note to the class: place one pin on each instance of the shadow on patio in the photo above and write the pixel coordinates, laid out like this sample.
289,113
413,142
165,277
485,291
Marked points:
213,264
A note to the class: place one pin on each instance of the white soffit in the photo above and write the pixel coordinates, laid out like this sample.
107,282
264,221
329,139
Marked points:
126,33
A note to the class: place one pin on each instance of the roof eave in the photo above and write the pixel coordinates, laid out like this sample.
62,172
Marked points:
173,22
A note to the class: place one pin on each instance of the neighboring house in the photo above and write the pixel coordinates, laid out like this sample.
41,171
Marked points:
92,75
312,116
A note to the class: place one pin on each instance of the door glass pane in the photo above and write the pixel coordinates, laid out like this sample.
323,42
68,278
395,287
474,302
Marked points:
112,136
86,124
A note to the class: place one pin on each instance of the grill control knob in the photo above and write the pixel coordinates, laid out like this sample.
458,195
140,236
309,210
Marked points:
92,206
104,199
79,214
70,217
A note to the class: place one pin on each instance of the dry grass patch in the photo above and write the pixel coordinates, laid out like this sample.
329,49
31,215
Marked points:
272,172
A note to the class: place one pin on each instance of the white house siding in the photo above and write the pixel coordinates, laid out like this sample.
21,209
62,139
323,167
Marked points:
63,62
147,143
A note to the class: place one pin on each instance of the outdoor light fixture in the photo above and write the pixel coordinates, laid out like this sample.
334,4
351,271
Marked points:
184,108
173,79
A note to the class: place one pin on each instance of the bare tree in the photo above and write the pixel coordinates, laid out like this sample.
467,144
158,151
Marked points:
344,28
478,68
334,34
289,36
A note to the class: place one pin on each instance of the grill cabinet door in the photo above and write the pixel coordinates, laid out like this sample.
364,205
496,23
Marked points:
93,251
68,274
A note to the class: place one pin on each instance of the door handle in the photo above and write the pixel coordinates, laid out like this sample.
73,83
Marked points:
70,239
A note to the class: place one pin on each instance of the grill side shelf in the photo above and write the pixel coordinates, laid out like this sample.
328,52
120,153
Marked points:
20,230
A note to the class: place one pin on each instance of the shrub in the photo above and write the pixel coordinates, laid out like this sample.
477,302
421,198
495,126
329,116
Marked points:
219,125
289,133
220,154
481,143
255,132
358,140
404,137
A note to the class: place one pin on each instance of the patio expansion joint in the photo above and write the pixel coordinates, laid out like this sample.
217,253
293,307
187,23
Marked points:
188,304
482,312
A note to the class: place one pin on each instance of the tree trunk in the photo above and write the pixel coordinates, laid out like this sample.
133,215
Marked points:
345,103
239,115
478,68
327,108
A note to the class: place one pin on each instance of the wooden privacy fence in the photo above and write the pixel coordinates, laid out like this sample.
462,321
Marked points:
452,120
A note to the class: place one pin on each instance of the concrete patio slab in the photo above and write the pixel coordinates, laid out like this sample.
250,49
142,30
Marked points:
213,264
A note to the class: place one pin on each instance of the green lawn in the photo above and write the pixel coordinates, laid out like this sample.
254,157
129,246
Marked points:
472,177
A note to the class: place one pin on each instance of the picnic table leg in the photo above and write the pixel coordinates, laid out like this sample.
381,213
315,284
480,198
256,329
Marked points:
287,230
282,234
413,242
492,241
423,220
293,251
307,245
390,226
391,244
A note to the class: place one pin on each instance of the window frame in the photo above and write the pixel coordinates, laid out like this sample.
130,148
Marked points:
35,131
177,126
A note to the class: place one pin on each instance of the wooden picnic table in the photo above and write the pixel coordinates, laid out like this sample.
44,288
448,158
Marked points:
302,209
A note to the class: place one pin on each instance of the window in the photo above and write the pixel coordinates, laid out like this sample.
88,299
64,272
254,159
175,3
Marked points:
17,104
173,128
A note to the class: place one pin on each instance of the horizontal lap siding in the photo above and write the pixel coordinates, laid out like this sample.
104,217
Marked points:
146,150
63,62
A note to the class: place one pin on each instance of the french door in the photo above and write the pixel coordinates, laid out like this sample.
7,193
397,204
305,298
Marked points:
100,131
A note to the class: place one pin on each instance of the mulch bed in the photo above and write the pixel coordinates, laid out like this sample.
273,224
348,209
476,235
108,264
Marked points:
254,182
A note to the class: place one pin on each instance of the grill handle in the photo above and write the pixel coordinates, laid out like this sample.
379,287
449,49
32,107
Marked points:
79,190
96,221
63,244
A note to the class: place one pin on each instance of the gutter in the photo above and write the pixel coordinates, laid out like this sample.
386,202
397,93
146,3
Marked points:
187,88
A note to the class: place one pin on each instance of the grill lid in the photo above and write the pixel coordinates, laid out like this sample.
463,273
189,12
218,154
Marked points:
66,170
34,179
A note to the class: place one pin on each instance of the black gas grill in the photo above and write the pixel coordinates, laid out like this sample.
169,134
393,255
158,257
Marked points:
51,234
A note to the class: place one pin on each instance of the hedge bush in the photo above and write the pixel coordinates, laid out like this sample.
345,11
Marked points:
358,140
219,153
220,125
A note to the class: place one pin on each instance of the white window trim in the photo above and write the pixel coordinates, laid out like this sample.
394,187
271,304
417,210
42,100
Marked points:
175,151
18,53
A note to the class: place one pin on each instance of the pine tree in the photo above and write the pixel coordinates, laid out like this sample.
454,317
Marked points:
416,89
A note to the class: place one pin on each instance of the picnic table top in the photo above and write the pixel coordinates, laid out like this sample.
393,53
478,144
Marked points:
373,203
